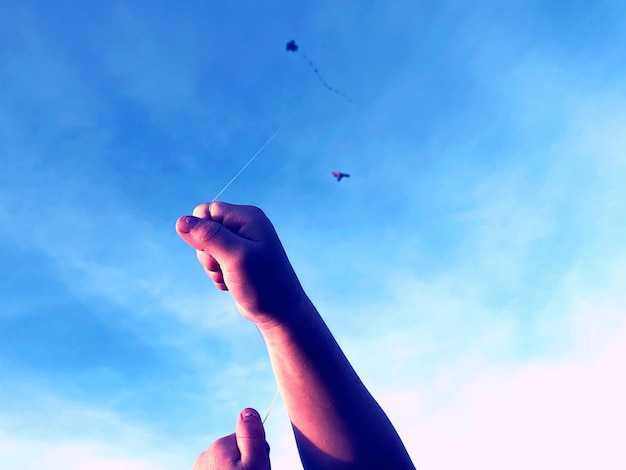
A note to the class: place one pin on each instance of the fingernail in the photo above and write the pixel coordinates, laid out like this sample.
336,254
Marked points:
250,414
187,223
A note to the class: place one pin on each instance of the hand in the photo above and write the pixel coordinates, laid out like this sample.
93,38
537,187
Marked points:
246,449
241,252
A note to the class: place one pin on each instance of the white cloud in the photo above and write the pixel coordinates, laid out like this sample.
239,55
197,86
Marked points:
567,412
28,454
55,433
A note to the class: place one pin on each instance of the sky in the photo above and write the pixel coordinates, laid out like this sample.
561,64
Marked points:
472,267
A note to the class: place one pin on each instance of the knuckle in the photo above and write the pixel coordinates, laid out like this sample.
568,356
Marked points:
209,232
201,210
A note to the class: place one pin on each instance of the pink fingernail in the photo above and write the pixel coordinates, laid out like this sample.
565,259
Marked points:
250,414
187,223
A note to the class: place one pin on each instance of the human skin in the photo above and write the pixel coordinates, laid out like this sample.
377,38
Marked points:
245,449
336,421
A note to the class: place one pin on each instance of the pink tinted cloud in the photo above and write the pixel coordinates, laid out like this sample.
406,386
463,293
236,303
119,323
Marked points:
567,412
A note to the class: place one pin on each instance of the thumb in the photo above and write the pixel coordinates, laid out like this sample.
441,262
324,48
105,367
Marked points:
206,235
250,436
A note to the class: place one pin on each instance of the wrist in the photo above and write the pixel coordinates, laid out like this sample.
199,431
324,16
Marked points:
301,312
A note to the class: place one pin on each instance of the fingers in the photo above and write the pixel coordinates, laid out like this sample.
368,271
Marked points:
207,235
206,260
212,269
220,233
210,264
220,227
250,437
202,211
246,449
223,213
222,454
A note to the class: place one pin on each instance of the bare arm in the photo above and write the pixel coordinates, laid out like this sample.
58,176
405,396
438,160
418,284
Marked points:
336,421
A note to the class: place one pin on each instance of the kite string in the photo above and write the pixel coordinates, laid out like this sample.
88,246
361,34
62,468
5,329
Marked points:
252,158
271,406
256,154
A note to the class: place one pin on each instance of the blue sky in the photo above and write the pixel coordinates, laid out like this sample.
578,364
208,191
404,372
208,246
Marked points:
472,266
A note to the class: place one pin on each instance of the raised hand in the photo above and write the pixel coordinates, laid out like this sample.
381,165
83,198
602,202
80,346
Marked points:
241,252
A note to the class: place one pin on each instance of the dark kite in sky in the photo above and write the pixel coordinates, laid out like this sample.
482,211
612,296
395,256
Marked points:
293,47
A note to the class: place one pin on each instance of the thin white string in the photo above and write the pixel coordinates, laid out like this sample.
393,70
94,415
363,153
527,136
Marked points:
256,154
252,159
271,406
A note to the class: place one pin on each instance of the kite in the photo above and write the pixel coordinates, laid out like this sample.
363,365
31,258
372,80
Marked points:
293,47
339,175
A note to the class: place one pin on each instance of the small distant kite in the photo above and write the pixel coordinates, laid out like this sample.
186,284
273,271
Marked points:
293,47
339,175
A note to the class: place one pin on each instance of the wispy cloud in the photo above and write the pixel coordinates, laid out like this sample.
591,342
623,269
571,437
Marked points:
60,434
565,411
478,247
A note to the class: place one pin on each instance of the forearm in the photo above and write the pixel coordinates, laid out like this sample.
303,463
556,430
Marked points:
337,422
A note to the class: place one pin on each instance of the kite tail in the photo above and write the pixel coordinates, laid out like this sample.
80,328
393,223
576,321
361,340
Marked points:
321,79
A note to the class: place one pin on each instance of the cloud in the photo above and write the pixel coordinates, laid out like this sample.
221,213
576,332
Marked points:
513,355
31,454
485,263
59,434
459,394
564,412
